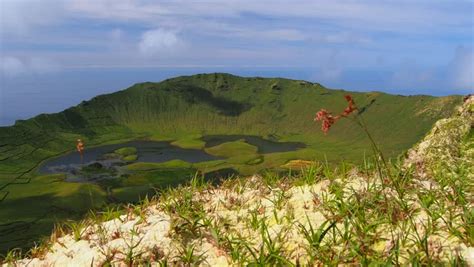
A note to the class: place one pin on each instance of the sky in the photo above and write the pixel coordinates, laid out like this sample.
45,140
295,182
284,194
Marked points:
56,53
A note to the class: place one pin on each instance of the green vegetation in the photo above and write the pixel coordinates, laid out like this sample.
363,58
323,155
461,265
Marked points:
232,149
126,151
237,152
322,215
192,142
182,110
147,166
32,209
130,158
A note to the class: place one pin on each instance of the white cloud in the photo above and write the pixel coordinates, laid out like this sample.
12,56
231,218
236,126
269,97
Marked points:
397,16
330,68
116,9
116,34
456,75
159,41
412,77
400,16
346,37
330,74
20,17
241,32
14,66
462,68
276,34
42,65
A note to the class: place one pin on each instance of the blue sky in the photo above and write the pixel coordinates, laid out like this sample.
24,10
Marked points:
56,53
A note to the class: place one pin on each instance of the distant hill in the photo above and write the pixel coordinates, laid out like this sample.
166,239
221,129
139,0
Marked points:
275,108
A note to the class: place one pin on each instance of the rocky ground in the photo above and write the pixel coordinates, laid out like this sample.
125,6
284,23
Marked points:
418,211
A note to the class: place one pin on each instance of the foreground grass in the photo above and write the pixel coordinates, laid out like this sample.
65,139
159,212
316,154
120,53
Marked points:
320,215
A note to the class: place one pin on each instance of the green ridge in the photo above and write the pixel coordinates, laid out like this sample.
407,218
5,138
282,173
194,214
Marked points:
182,110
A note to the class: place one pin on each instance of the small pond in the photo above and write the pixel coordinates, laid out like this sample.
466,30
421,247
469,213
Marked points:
147,151
96,167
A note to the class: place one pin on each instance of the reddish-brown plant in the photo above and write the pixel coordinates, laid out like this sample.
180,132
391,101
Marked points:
327,119
351,106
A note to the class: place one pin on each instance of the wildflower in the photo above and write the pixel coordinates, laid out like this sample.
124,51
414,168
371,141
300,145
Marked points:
327,119
350,108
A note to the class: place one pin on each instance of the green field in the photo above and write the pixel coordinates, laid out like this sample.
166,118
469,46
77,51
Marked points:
182,110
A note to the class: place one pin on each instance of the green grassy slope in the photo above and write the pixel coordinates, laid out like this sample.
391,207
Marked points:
221,104
418,213
183,109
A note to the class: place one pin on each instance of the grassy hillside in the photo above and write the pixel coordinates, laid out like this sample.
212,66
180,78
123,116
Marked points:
183,110
222,104
419,213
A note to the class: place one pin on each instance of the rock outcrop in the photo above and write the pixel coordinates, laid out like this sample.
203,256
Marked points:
448,146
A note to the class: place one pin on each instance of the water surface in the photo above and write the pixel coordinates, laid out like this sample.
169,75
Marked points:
95,167
148,151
